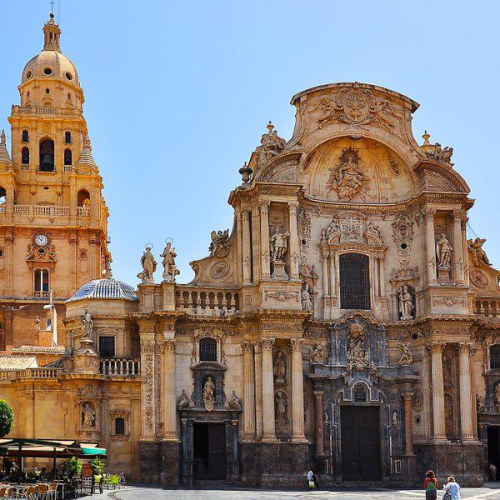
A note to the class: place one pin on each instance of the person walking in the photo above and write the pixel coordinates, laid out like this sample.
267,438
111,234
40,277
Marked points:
452,490
430,485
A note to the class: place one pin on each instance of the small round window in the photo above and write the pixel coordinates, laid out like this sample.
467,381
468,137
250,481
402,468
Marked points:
47,71
29,74
69,76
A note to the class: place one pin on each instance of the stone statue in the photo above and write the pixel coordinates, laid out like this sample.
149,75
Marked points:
234,402
320,353
281,404
372,235
305,295
209,394
347,178
183,401
395,418
271,145
88,415
219,247
405,303
357,357
496,395
333,232
148,264
170,270
479,255
443,251
87,324
279,245
405,357
280,368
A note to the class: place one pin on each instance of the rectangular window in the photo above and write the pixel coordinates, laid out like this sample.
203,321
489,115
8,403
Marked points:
119,426
354,281
107,347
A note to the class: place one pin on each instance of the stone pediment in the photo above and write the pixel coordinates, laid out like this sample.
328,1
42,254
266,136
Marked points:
438,178
280,169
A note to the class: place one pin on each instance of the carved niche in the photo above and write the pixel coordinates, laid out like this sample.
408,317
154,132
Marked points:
352,227
347,178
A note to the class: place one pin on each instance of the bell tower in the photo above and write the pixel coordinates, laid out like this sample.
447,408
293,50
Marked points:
53,218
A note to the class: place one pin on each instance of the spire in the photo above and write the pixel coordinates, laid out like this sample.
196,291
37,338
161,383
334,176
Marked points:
4,152
52,33
86,155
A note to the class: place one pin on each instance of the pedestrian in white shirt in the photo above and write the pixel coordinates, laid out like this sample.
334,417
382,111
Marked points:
452,490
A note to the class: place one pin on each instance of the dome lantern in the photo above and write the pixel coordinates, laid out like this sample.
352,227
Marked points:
52,33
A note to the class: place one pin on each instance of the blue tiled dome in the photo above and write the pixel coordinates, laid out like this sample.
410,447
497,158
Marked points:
105,288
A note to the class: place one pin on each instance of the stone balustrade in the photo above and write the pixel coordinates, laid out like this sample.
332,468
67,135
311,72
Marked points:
122,367
487,306
42,211
37,373
207,301
26,110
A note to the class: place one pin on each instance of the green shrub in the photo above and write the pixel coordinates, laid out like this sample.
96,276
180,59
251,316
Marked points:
6,418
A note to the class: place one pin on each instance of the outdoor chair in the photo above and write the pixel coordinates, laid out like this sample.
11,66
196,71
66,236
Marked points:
43,491
10,493
52,491
3,489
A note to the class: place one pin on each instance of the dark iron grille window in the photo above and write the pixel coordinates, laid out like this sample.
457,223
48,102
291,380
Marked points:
119,426
495,356
359,393
354,281
107,347
208,350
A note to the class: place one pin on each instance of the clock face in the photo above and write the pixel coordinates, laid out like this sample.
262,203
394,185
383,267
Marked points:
41,240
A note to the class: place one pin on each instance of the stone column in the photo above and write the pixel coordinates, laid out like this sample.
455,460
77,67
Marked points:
264,239
437,349
318,414
324,270
408,424
381,266
169,399
430,243
248,392
147,336
458,250
333,273
294,240
466,408
258,389
268,418
297,391
247,264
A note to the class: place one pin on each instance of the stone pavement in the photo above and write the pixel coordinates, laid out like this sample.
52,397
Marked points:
490,492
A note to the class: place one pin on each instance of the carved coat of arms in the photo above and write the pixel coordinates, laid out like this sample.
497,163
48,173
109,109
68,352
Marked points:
347,178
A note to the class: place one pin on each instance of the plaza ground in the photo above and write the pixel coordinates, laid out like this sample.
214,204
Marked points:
490,492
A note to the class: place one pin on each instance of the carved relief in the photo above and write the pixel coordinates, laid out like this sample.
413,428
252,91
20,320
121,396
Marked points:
88,415
184,401
372,235
349,227
41,248
402,233
406,303
405,356
394,165
347,177
479,279
281,295
209,394
220,270
405,274
417,401
357,356
219,246
448,301
356,107
271,144
479,256
320,353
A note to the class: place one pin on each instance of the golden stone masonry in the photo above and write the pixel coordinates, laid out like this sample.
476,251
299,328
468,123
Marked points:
345,322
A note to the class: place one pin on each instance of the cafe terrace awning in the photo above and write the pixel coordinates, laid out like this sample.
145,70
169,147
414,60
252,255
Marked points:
49,448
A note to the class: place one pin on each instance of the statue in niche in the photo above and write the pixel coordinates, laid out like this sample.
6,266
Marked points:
446,370
305,295
496,396
170,270
183,401
443,252
281,403
234,402
219,246
479,255
87,324
333,232
395,419
372,235
148,264
279,245
320,353
357,357
88,415
280,368
209,394
405,303
405,357
448,414
347,178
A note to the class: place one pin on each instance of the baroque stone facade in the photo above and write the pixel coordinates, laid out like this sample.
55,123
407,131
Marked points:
345,310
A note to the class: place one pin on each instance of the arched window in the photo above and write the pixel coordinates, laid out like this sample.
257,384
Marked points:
3,195
25,136
68,157
67,135
83,198
208,350
119,426
495,356
354,281
47,156
25,156
41,283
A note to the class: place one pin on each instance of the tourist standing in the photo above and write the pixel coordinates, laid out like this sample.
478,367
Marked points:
430,485
310,479
452,490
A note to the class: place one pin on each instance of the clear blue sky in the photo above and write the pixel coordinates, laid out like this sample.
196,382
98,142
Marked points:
179,93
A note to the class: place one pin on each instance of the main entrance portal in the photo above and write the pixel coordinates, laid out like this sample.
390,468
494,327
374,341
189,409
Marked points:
209,447
360,428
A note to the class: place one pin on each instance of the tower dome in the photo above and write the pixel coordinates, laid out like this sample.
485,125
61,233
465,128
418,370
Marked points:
51,63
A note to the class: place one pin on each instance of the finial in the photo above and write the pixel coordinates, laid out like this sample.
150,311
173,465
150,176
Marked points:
245,172
270,126
108,273
2,138
86,143
425,137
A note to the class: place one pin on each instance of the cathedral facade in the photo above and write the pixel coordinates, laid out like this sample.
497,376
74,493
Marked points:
344,323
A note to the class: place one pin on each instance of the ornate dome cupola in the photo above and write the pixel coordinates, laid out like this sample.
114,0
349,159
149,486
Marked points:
52,33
